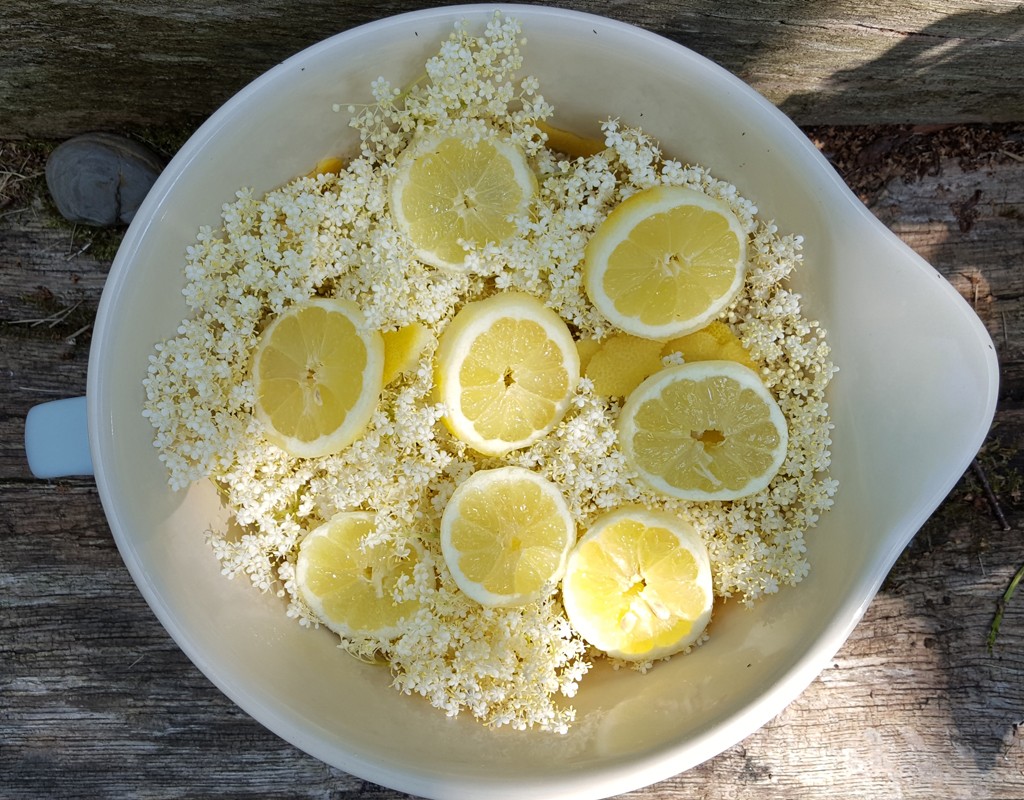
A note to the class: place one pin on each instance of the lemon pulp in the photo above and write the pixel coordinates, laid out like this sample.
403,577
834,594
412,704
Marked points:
454,193
317,374
402,349
709,430
505,370
638,584
665,262
505,536
349,585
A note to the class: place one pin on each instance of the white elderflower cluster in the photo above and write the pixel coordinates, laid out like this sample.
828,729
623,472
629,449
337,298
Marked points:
505,666
472,79
333,235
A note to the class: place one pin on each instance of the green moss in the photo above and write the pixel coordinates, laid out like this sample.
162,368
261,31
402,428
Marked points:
164,141
23,185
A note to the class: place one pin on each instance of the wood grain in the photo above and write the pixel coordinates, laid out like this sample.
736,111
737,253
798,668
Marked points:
96,700
173,63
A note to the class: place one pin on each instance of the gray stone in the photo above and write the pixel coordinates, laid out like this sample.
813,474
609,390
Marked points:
101,179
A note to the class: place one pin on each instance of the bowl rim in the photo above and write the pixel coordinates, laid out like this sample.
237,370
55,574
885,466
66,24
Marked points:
649,767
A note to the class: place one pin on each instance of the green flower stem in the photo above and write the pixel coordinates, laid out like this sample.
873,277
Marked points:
1001,604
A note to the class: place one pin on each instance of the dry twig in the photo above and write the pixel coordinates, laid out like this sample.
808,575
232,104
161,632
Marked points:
993,501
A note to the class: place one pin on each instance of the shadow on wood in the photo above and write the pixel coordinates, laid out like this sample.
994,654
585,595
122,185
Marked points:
963,67
112,66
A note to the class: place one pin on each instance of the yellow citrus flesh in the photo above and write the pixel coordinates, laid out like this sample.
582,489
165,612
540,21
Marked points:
622,362
586,348
709,430
505,536
317,375
402,350
505,370
329,165
349,585
716,342
451,193
568,143
638,585
665,262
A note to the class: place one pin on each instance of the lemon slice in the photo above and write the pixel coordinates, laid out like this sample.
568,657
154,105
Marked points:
451,193
709,430
351,586
638,585
402,350
716,342
665,262
505,536
505,369
317,375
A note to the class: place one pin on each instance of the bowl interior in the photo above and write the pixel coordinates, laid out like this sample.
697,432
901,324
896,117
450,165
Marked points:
911,404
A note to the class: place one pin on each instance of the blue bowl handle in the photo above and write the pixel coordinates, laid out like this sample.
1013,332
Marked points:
57,439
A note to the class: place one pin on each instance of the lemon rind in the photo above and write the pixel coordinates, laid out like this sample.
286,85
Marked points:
476,591
699,370
454,346
688,538
359,415
622,219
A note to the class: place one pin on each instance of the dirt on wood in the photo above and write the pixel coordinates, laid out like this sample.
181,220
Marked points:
869,157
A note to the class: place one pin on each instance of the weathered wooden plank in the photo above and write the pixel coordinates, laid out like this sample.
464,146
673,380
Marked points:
67,66
940,720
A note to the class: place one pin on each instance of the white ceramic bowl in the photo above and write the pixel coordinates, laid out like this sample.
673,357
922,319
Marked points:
911,405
